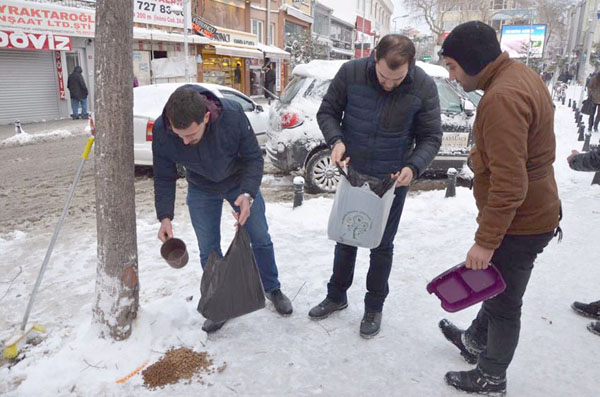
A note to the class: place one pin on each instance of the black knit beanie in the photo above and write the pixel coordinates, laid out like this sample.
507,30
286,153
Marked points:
473,45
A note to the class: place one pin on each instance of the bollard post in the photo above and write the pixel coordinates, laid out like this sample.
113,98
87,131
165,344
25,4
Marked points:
18,128
563,100
451,182
586,143
298,191
580,138
569,102
574,104
576,115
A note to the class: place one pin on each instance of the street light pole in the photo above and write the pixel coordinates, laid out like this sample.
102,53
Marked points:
362,37
185,40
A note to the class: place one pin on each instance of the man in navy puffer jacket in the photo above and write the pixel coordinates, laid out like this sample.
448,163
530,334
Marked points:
383,113
213,139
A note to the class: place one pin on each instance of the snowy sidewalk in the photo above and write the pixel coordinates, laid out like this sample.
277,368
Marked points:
269,355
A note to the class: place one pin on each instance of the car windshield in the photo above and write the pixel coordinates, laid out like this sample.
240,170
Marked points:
474,97
290,92
449,100
317,89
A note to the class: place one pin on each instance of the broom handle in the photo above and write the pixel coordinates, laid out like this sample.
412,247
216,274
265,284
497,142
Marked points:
84,157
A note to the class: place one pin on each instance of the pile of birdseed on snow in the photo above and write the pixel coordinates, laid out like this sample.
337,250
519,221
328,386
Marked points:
175,365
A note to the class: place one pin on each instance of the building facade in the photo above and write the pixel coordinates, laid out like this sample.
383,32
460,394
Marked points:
40,45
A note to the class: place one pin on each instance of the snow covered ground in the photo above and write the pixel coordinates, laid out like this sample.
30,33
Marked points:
275,356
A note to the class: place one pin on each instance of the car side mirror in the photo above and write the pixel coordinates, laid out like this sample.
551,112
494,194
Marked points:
259,108
469,108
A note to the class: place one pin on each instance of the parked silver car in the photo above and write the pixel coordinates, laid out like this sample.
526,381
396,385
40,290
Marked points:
149,101
295,141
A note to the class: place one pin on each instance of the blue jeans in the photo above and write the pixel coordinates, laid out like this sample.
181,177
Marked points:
205,212
75,106
380,263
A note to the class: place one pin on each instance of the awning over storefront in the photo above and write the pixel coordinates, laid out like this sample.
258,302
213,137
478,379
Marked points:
273,52
161,35
238,51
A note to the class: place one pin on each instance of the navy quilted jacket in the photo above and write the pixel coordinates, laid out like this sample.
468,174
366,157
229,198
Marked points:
383,131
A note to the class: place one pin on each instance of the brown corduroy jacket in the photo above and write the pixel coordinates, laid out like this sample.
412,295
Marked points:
514,185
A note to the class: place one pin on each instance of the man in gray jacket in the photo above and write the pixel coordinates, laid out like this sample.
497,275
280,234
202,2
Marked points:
382,112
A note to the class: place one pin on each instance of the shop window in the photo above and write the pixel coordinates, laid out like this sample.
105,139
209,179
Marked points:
159,54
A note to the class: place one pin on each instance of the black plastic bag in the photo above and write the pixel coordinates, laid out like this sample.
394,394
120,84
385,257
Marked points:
377,185
231,285
588,106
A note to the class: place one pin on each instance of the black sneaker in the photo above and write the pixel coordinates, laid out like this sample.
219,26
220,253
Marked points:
211,326
476,381
456,336
281,302
591,310
594,327
370,324
325,308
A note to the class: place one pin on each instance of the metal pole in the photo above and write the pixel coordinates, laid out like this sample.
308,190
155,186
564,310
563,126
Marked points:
84,157
185,39
588,49
268,22
362,38
529,45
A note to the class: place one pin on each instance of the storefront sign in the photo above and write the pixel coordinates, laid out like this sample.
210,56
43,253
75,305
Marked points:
30,16
161,12
203,28
34,41
59,71
235,37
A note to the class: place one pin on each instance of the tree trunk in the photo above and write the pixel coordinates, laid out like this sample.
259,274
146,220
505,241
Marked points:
117,288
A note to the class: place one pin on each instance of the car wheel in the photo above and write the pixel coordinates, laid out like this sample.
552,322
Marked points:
322,176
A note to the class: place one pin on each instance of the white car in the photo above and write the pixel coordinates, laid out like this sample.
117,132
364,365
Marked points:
149,101
295,141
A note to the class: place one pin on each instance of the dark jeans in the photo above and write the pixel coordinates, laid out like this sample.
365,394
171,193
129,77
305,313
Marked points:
380,264
205,212
498,322
594,118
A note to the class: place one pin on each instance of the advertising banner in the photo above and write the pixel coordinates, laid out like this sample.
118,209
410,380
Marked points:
47,17
515,40
59,72
34,41
161,12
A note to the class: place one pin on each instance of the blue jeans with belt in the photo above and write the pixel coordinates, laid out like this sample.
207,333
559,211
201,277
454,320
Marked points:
205,212
380,263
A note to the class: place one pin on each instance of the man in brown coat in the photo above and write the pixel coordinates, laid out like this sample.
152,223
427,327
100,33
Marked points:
515,192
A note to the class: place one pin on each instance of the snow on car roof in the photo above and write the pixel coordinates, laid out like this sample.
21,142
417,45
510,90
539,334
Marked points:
326,70
433,70
320,69
149,100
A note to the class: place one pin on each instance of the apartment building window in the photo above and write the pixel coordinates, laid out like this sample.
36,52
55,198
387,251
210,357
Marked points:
497,4
321,24
271,36
257,29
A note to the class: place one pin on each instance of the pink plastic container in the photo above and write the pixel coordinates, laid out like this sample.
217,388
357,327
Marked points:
460,287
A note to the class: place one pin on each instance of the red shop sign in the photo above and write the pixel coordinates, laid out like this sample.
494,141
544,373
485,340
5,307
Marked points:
59,72
34,41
